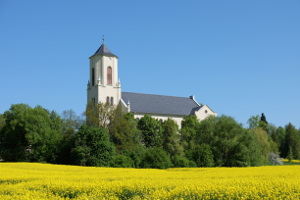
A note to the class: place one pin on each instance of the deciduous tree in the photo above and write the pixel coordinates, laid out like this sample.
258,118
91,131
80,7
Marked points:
99,115
171,137
30,134
124,132
151,131
92,147
156,158
292,142
203,156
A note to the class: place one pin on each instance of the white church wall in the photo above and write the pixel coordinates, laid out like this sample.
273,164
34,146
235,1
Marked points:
109,91
204,112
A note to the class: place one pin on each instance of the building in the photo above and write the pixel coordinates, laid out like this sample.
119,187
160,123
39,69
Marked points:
104,86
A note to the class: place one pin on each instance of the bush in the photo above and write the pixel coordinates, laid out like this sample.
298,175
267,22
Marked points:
203,156
156,158
121,161
180,161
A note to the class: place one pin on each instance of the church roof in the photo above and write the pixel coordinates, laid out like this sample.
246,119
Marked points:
160,104
103,50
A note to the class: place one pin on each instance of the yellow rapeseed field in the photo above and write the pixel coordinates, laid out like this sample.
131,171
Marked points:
45,181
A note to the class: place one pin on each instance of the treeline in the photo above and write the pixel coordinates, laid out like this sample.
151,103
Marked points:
109,137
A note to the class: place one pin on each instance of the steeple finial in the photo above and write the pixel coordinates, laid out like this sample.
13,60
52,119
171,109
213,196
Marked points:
102,39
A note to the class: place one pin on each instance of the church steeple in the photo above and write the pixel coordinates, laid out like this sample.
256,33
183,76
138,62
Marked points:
104,84
104,51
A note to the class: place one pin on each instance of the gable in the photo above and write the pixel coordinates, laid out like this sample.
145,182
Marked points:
159,104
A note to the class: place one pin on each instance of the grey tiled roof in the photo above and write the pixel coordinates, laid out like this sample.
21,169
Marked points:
159,104
103,50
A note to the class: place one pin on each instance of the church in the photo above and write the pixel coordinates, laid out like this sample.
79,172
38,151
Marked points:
104,86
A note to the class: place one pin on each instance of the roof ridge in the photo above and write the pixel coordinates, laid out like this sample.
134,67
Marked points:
157,95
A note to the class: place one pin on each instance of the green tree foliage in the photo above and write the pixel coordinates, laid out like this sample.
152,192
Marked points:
253,122
30,134
122,161
70,125
262,142
2,121
182,161
203,156
230,143
263,118
71,122
188,132
263,123
280,134
292,142
170,138
156,158
99,115
92,147
124,132
37,135
127,138
151,131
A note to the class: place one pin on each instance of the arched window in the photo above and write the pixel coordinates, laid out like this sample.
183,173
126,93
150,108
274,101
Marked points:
109,76
93,76
107,100
111,101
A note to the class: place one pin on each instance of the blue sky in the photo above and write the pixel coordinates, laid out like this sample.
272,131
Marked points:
241,58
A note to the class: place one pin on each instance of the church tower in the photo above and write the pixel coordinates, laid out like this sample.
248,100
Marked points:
104,84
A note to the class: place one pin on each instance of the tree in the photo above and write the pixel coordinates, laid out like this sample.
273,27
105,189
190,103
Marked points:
253,122
156,158
280,134
2,121
230,143
70,125
71,122
92,147
263,123
182,161
170,138
13,140
99,115
275,159
121,161
124,132
263,144
189,126
263,118
151,131
292,142
30,134
203,156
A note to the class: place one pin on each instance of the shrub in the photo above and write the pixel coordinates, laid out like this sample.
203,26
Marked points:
156,158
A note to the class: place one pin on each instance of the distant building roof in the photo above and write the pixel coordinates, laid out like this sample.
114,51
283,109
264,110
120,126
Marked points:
160,104
103,50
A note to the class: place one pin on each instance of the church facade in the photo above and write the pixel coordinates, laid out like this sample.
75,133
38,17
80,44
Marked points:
104,86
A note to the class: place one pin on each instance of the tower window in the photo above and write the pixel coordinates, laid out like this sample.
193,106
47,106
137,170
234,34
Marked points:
111,101
109,76
93,76
107,100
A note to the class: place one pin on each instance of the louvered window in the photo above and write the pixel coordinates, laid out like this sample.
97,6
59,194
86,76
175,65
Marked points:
109,76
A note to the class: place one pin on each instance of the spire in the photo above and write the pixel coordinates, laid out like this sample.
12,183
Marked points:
103,50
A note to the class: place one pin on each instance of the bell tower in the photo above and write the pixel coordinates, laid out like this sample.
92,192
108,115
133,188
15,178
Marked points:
104,84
